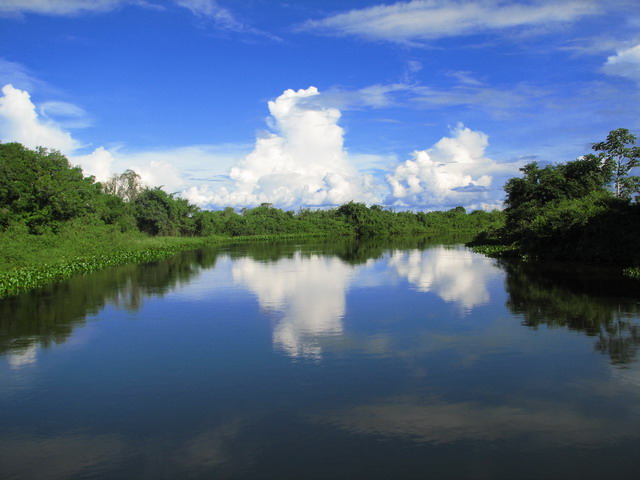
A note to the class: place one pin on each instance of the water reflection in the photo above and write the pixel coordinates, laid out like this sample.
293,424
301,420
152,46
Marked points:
454,274
439,421
20,357
81,455
309,291
49,315
57,457
597,302
305,286
420,358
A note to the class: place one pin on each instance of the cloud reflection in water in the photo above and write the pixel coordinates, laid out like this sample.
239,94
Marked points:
454,274
309,291
438,421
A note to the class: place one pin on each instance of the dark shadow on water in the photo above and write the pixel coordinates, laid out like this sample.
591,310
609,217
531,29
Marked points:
49,314
597,301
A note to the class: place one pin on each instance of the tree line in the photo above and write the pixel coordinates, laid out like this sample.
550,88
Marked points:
40,191
586,209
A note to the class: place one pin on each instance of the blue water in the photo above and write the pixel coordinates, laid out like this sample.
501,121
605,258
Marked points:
323,360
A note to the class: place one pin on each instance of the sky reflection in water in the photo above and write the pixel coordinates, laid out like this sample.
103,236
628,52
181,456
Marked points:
322,361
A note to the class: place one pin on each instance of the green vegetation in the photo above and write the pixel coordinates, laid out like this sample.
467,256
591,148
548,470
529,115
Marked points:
585,210
555,296
54,222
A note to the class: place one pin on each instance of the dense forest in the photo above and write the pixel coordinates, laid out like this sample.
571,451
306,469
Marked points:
583,210
41,193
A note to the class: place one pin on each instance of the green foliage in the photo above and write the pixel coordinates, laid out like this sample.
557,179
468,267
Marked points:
29,261
113,210
619,154
529,196
40,188
578,210
496,251
376,221
364,221
160,213
632,272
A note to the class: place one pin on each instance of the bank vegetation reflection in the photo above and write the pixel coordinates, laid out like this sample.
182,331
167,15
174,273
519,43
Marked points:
48,316
305,286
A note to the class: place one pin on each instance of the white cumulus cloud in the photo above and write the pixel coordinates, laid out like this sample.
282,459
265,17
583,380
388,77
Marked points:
302,161
19,122
625,63
160,174
98,163
455,171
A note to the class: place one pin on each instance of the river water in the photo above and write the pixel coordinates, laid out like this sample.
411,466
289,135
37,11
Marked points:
323,359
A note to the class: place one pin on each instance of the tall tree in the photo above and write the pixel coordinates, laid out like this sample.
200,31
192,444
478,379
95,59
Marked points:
127,185
619,155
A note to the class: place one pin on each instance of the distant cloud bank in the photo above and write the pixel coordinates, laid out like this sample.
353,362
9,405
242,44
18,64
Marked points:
300,161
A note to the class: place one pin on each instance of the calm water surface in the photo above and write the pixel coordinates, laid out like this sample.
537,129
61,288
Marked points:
323,360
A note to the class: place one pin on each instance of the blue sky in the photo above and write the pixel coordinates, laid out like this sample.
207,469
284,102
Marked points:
426,104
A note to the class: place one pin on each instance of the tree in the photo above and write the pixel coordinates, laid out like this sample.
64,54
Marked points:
619,155
160,213
364,221
40,188
576,210
127,185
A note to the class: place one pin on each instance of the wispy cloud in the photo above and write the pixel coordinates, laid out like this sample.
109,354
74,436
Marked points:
20,76
66,114
468,92
59,7
221,17
423,20
209,10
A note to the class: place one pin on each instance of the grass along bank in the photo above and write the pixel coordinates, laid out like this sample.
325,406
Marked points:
30,261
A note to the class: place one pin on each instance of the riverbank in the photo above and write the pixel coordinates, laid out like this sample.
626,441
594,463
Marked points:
30,261
512,251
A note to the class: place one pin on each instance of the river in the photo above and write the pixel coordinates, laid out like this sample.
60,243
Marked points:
323,359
